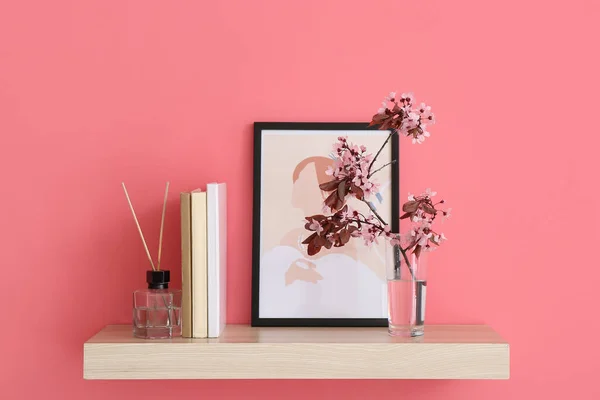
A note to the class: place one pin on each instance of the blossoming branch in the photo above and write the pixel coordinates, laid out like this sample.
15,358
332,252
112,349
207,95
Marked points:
352,176
403,118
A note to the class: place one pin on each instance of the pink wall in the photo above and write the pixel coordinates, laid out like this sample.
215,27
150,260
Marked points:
95,92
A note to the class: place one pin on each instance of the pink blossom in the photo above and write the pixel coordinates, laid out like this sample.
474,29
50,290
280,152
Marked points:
363,166
447,213
368,191
357,180
424,239
418,140
426,114
369,236
347,158
391,96
337,147
376,186
408,238
429,193
330,170
316,226
407,97
347,214
395,241
411,121
418,217
423,108
363,148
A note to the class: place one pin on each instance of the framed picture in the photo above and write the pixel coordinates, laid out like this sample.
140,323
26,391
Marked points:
341,286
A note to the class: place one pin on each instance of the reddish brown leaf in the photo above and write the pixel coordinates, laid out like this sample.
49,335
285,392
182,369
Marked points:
358,192
310,238
312,249
339,204
319,241
331,200
398,110
406,215
329,186
410,206
337,226
429,209
344,236
318,217
342,190
379,118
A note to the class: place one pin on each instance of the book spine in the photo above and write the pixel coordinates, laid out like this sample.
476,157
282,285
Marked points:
186,265
199,265
216,260
222,257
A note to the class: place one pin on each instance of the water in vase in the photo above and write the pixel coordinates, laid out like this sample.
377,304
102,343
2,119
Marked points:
406,307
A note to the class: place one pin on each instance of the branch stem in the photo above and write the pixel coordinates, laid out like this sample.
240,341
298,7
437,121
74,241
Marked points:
374,211
380,168
381,149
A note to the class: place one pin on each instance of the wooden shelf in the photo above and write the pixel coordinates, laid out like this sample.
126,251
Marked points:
243,352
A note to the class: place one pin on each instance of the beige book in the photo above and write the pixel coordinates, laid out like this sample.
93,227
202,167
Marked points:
199,265
186,264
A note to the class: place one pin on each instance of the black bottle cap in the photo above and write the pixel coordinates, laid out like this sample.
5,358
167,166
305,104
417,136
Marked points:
158,279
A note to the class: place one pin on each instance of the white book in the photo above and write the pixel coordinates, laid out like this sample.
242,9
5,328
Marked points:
199,264
217,257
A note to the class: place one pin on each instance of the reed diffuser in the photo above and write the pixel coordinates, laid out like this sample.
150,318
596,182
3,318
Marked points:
156,309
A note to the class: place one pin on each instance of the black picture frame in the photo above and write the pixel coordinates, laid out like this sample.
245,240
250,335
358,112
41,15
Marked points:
259,127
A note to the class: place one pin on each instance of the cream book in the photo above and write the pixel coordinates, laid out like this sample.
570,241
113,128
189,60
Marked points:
199,264
217,257
186,264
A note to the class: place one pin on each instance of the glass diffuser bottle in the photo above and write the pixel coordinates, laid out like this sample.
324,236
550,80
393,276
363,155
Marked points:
157,309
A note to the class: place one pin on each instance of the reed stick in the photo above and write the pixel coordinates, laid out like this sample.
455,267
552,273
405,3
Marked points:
162,224
138,226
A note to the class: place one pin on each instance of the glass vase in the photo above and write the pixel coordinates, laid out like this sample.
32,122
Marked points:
157,309
407,290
